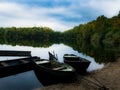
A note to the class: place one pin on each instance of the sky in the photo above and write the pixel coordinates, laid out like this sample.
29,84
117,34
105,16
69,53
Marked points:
59,15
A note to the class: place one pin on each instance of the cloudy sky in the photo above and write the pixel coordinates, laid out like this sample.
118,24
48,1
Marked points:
57,14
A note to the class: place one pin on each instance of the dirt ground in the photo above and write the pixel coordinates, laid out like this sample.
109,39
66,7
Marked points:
109,76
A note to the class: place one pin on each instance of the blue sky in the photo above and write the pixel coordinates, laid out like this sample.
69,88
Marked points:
60,15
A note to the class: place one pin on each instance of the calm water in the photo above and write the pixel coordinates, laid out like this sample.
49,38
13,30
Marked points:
22,81
28,80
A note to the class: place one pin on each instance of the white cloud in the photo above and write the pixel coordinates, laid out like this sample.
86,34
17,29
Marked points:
16,14
106,7
13,14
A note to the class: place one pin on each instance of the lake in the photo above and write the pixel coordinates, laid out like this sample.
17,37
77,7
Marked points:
28,80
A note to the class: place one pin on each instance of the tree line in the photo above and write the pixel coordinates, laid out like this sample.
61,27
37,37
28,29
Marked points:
28,36
103,30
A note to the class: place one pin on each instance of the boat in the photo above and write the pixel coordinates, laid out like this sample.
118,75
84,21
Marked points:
80,64
52,72
14,53
15,66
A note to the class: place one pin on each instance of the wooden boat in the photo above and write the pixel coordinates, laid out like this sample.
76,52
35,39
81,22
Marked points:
51,72
14,66
80,64
14,53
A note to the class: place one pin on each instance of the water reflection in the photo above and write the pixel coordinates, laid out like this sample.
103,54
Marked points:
59,49
22,81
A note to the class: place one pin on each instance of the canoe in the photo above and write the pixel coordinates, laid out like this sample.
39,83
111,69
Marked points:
51,72
15,66
80,64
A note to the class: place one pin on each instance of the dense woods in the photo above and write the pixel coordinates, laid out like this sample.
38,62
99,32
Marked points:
103,30
34,36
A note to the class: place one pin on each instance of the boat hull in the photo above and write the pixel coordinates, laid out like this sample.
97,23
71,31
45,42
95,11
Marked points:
79,66
15,66
48,76
78,63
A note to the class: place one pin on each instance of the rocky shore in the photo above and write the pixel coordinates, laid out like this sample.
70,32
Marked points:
109,76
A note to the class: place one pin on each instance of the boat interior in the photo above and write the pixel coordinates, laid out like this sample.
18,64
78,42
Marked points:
13,62
52,65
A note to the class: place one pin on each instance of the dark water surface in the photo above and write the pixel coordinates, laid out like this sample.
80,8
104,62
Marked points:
22,81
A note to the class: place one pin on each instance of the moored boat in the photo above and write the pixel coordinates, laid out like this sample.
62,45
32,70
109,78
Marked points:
51,72
15,53
15,66
80,64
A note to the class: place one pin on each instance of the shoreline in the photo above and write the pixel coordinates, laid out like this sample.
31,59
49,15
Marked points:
109,76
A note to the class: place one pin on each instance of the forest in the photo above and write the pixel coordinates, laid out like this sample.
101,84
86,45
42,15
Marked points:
102,31
34,36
